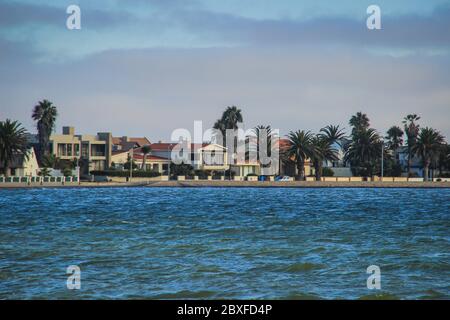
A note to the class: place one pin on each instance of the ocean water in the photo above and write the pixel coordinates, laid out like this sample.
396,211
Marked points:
217,243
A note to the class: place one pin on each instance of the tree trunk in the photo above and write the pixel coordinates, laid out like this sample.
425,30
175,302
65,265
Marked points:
7,169
425,170
300,169
318,169
409,161
144,167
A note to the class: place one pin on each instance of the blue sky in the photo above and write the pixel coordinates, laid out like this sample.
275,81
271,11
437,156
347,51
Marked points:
146,67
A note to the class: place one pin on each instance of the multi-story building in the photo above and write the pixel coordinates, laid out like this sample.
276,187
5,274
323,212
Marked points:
92,152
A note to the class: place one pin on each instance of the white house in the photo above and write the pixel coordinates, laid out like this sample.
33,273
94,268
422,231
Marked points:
22,166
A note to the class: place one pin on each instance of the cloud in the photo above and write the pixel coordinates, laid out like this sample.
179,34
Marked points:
16,14
190,24
398,31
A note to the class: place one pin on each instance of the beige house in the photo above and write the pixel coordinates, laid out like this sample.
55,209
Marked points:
242,169
24,166
92,151
154,163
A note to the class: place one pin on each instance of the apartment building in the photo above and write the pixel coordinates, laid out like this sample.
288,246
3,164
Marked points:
92,152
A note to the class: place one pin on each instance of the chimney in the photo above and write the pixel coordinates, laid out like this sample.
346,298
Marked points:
68,131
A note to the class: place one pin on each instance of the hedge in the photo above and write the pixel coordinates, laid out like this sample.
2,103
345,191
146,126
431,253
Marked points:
117,173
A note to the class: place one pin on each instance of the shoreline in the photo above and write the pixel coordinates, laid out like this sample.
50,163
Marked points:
232,184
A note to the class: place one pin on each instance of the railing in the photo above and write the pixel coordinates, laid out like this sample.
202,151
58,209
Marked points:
39,180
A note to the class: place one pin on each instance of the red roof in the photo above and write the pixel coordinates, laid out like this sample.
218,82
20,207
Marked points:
284,144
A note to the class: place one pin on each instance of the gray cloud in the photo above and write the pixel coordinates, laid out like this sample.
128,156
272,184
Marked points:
398,31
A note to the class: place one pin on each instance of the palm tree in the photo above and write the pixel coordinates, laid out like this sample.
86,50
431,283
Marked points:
395,138
231,117
363,151
13,143
324,151
427,146
145,150
50,161
45,114
301,148
333,134
359,121
411,130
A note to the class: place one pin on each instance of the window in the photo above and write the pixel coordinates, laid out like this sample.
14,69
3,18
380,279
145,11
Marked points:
85,150
77,150
97,150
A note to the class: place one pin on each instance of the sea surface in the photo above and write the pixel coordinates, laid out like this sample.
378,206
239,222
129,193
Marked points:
216,243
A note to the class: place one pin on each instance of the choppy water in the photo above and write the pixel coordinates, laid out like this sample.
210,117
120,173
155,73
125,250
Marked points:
224,242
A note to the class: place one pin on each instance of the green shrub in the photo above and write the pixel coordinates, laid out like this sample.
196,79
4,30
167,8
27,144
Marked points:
202,174
327,172
116,173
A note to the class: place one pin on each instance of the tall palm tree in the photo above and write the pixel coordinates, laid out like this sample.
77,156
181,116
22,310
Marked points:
45,114
427,146
232,116
145,151
301,148
324,151
230,119
359,121
411,130
13,143
363,151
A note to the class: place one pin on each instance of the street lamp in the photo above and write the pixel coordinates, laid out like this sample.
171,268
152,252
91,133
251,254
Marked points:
382,159
131,162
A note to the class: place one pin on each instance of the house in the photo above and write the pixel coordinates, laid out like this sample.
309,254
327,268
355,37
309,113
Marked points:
152,162
93,152
401,155
127,143
203,156
24,165
288,166
339,167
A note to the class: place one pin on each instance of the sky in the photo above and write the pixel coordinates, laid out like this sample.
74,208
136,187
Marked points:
148,67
